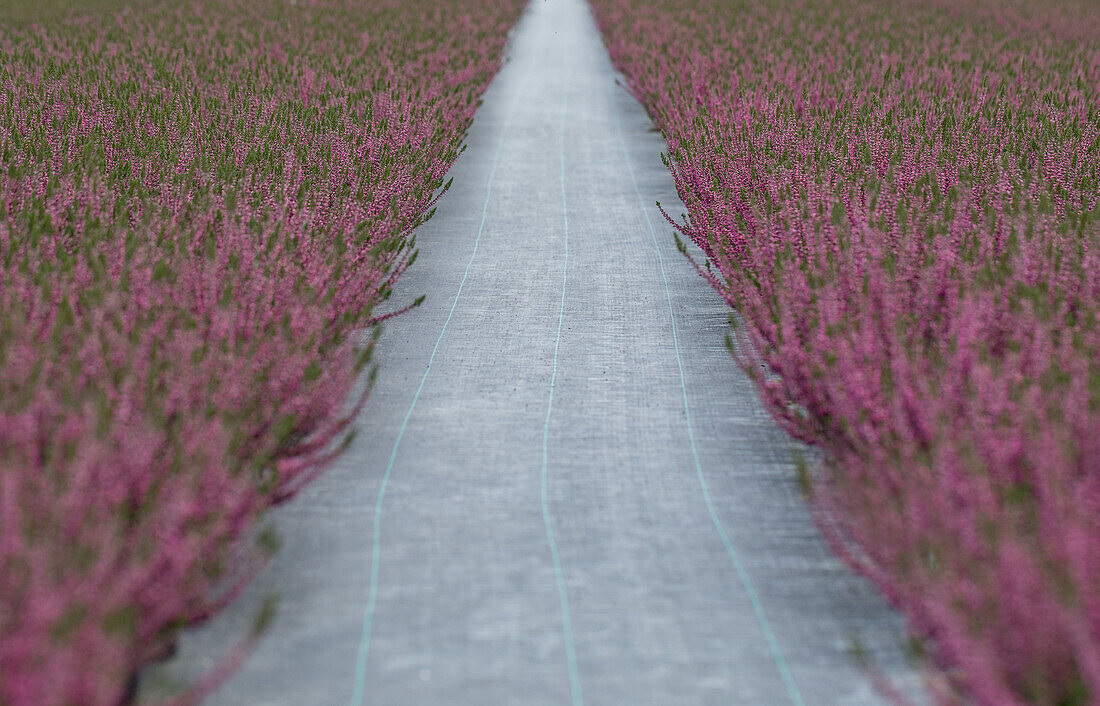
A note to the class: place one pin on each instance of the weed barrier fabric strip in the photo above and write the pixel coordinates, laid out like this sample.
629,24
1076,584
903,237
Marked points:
368,613
467,608
793,691
563,594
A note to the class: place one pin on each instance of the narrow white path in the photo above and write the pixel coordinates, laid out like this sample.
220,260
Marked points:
564,491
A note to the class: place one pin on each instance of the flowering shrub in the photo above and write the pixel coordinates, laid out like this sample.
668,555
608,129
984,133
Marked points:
902,201
200,205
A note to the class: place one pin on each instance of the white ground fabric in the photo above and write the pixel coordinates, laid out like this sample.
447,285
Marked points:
581,499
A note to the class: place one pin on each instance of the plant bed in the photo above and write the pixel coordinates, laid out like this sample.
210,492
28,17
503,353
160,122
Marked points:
201,204
902,201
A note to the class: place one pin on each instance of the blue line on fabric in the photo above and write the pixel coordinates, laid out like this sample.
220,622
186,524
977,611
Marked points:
563,595
758,608
358,691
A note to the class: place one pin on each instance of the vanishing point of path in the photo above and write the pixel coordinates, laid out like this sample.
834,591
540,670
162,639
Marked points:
563,490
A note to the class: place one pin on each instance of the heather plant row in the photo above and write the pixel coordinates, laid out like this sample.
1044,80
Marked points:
901,202
201,205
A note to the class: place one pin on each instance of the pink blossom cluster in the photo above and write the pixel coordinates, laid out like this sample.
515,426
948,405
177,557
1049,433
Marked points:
902,203
201,205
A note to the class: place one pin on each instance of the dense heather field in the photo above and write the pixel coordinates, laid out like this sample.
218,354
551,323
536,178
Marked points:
901,200
201,204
